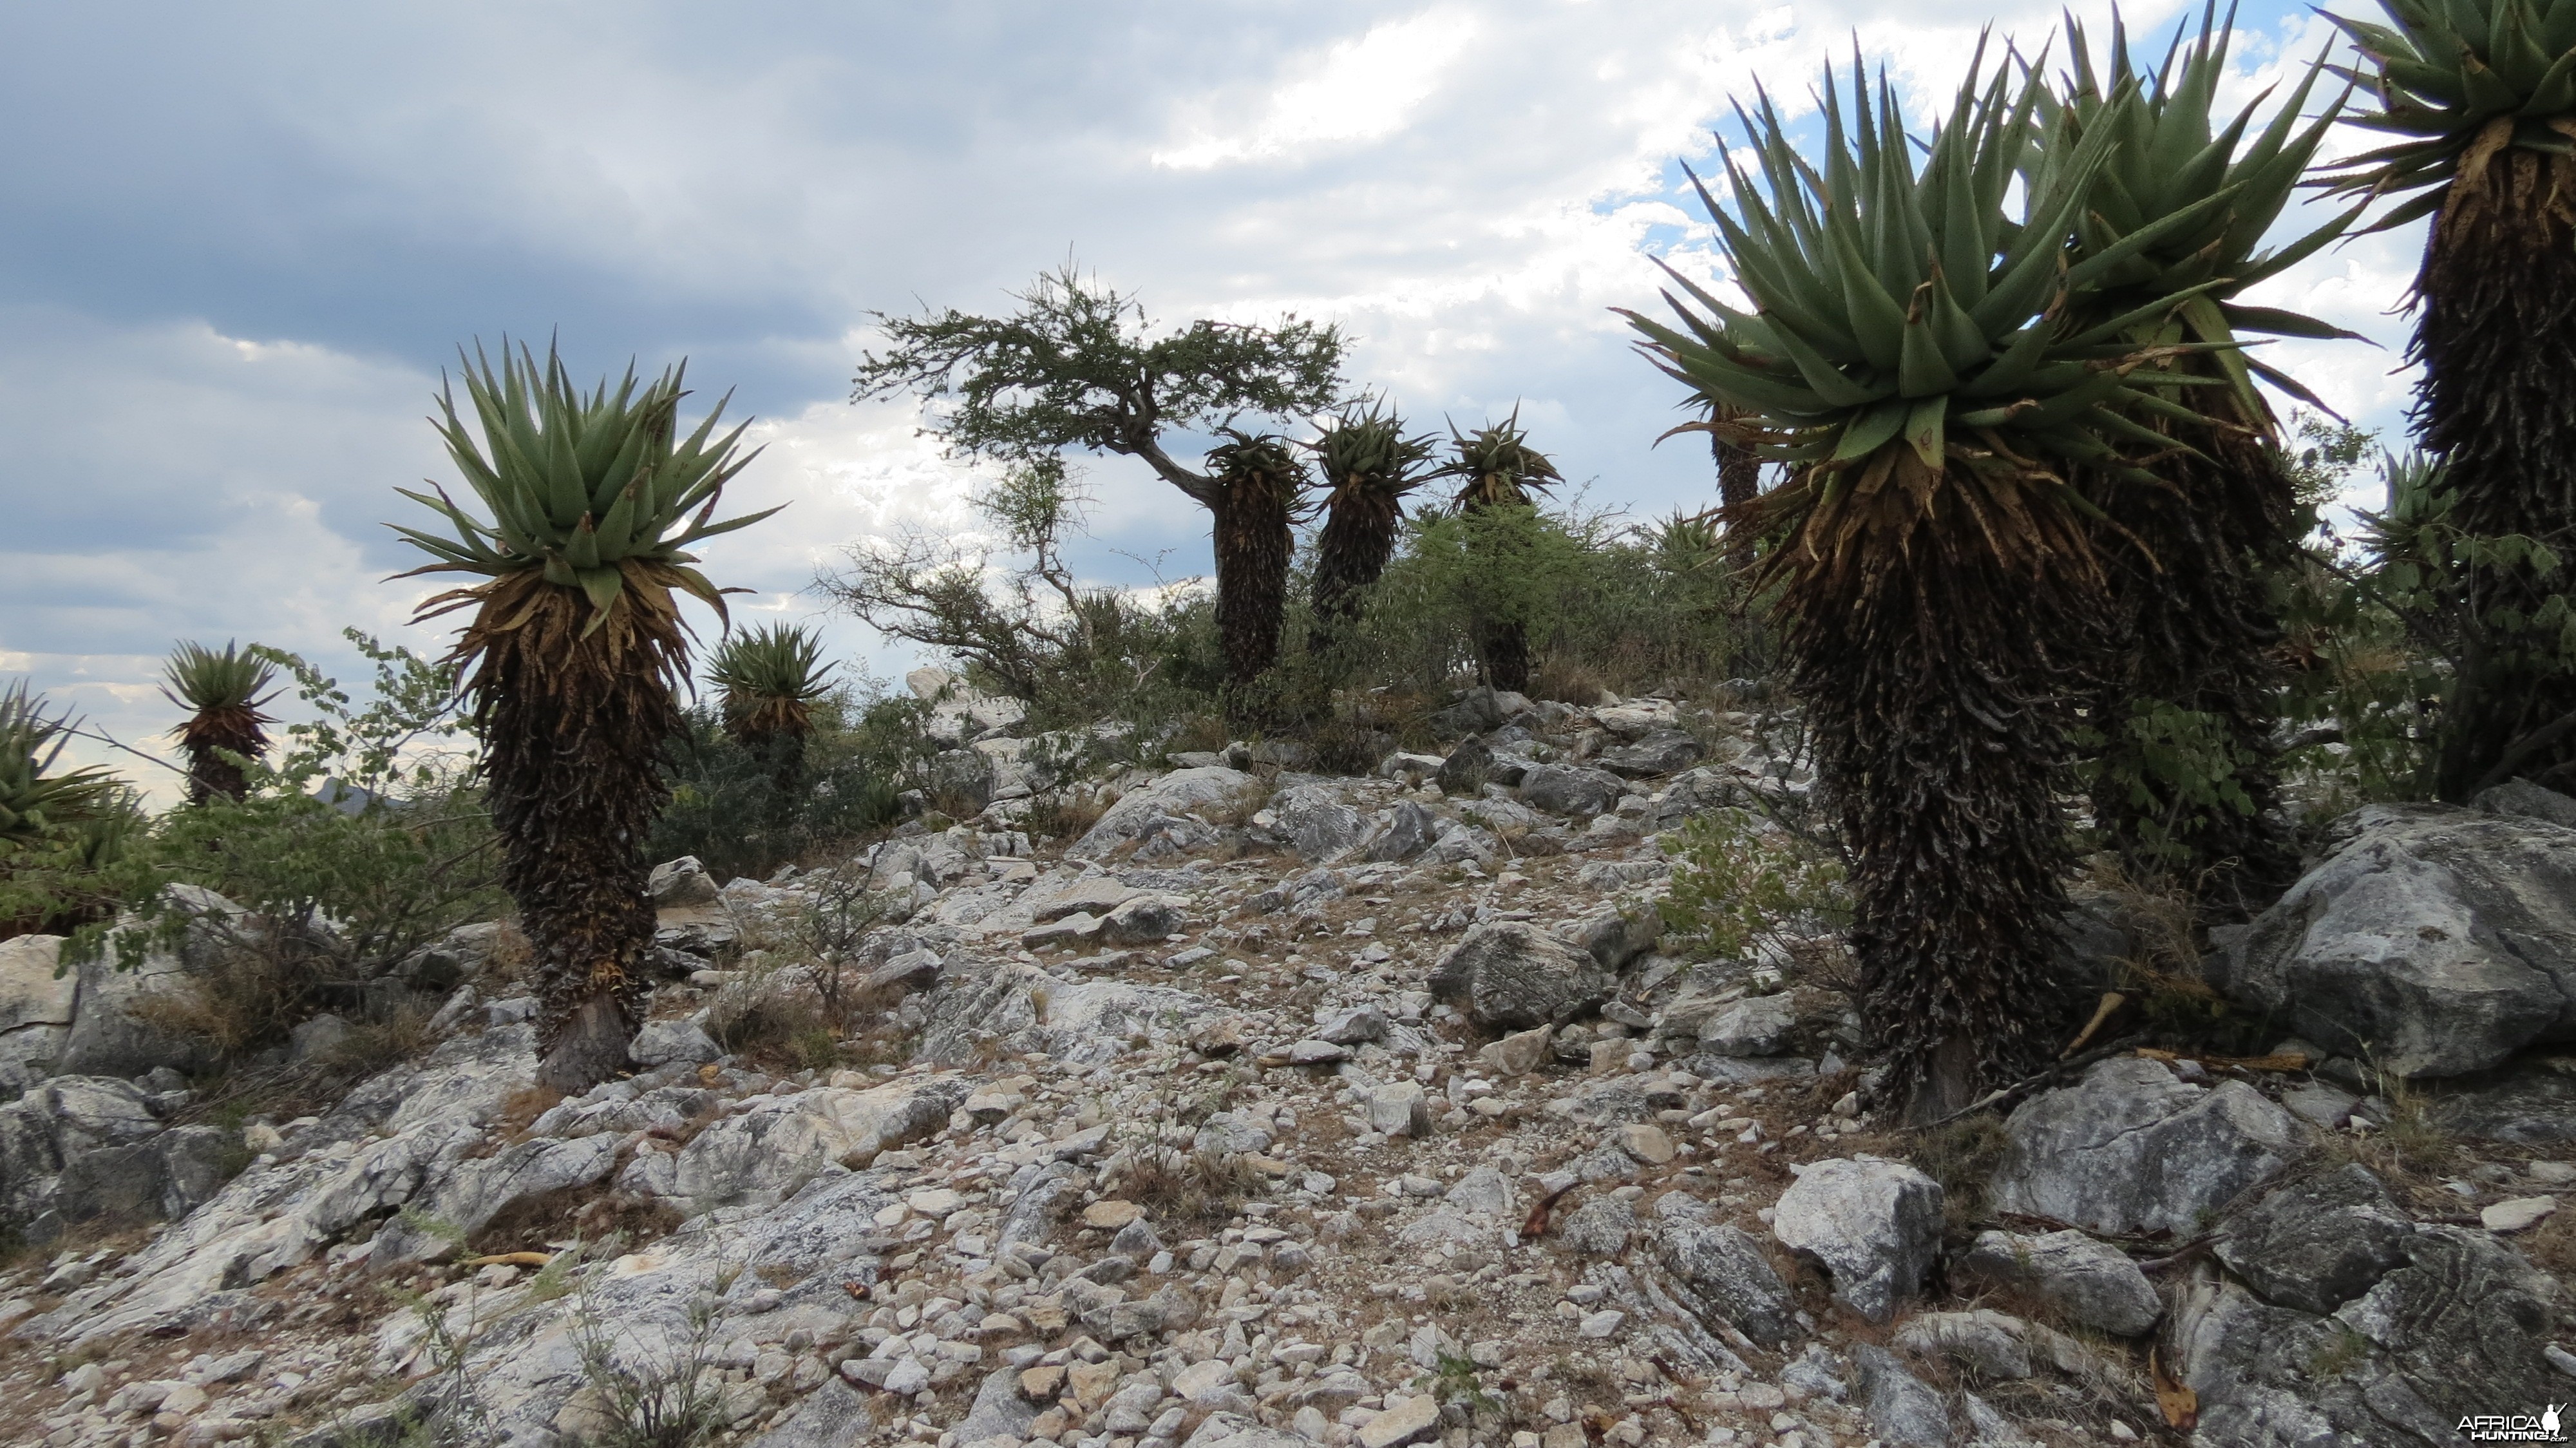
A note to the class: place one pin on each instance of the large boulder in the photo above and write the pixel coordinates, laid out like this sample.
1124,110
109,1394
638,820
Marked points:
1570,790
36,1002
95,1133
113,1032
2317,1244
1153,807
2459,1328
1089,895
2463,1324
2094,1285
682,883
1728,1278
1510,975
1409,830
1615,936
782,1142
2437,942
1022,1008
1319,825
1754,1026
2130,1148
965,776
659,1043
472,1191
1903,1409
1874,1226
1467,768
1473,712
2523,798
2533,1104
2247,1364
1663,751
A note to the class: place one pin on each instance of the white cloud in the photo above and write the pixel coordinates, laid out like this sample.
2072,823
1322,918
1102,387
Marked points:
1468,189
1355,91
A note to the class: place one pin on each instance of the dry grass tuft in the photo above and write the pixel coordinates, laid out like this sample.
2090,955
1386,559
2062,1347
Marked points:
1065,814
535,1224
1192,1186
1962,1156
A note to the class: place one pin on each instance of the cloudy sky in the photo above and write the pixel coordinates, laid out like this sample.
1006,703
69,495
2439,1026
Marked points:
243,240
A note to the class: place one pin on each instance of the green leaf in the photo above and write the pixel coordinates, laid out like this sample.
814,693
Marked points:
1923,430
1870,430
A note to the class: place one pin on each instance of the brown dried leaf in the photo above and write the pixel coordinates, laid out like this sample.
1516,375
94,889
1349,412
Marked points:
2179,1404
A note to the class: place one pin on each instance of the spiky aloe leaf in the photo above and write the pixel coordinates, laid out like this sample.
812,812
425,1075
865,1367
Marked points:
2174,157
1365,452
1497,465
1897,307
770,676
2451,75
1369,464
36,801
201,679
579,486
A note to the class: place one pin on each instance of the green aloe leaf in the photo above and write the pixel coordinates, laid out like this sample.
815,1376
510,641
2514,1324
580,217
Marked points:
576,483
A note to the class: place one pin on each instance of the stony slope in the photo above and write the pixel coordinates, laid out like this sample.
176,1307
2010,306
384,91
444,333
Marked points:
1291,1109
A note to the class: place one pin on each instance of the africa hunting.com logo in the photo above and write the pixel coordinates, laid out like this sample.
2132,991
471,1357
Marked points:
2542,1427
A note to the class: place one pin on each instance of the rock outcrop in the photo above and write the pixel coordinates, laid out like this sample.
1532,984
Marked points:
1290,1111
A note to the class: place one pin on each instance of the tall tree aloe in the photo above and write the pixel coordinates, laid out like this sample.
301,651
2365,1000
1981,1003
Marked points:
1368,465
1941,598
1257,483
769,678
221,690
577,645
1497,471
2480,98
2192,554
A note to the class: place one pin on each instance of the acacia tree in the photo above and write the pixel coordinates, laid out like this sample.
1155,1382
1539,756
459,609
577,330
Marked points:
1941,599
2480,98
1079,365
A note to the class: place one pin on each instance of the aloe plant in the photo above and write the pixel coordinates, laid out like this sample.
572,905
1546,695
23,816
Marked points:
2479,98
38,801
1907,353
1258,484
576,646
2193,553
1368,464
222,690
769,678
1497,468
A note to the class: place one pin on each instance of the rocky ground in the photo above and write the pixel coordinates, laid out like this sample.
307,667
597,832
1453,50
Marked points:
1297,1110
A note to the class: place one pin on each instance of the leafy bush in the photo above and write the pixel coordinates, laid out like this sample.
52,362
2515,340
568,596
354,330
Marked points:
736,809
2395,655
1029,630
365,841
1604,605
1742,885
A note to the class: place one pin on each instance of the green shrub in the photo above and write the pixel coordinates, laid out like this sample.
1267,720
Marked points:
1604,605
728,806
1741,883
365,841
